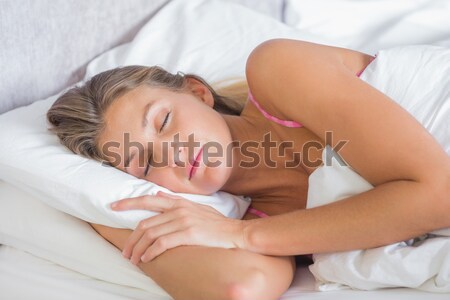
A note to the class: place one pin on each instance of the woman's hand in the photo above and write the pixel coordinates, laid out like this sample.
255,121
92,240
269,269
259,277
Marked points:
181,222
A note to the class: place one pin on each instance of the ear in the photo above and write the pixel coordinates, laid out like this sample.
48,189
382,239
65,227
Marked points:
200,90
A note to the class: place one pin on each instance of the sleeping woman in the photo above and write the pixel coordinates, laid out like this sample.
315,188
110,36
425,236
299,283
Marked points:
195,139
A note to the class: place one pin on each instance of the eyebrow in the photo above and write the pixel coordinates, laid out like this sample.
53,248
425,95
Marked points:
144,123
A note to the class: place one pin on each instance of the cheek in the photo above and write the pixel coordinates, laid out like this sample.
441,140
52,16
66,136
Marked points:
213,128
164,177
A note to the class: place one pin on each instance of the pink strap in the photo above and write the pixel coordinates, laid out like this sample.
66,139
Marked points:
284,123
257,212
371,60
270,117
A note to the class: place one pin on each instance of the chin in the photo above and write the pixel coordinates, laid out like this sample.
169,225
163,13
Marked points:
216,182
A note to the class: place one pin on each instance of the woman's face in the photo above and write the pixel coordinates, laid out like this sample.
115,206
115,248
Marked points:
169,130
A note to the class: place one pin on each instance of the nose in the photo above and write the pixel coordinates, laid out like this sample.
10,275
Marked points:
180,157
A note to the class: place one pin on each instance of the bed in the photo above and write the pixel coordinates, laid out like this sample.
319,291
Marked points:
57,43
41,268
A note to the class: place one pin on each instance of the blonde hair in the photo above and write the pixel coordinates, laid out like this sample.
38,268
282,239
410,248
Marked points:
78,116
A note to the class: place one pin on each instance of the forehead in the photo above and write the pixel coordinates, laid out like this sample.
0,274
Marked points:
128,108
122,111
139,95
124,117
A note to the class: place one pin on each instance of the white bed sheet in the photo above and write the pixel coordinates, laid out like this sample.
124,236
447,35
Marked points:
51,255
25,276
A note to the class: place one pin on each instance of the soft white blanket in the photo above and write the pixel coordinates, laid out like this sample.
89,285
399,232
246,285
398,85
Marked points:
418,79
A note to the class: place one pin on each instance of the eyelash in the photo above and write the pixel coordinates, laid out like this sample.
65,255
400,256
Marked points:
166,119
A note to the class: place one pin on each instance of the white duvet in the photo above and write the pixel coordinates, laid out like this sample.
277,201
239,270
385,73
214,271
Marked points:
418,79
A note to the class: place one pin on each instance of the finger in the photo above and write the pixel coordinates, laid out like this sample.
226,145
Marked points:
161,193
130,243
142,227
117,203
150,236
163,244
141,246
147,202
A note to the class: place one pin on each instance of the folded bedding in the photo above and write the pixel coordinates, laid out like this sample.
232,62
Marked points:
418,79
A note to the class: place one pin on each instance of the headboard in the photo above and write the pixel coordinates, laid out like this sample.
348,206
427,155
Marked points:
44,48
46,44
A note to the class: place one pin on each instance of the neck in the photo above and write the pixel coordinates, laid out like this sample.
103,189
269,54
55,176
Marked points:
240,132
244,128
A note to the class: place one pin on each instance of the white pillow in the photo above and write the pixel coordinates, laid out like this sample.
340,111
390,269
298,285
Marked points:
26,223
371,25
212,38
32,159
209,37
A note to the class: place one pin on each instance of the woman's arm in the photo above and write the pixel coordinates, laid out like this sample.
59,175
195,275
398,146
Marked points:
386,146
194,272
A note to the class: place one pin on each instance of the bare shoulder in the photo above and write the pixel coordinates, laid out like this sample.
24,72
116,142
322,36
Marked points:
279,50
317,86
288,57
282,68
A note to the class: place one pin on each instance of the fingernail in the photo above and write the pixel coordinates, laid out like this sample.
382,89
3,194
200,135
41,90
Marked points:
114,205
143,258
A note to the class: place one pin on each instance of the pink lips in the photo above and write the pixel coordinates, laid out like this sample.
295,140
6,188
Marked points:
195,164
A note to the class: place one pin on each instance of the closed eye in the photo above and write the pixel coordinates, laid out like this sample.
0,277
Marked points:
165,122
149,162
148,165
